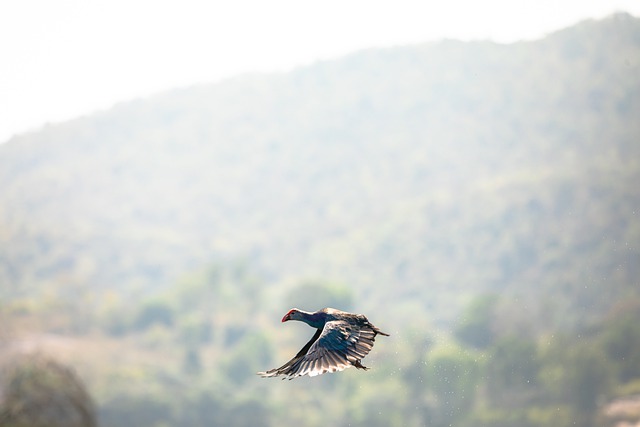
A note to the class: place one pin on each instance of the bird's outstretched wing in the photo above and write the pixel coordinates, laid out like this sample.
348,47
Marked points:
339,345
289,367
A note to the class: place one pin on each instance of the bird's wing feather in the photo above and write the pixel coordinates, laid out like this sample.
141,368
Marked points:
287,367
339,345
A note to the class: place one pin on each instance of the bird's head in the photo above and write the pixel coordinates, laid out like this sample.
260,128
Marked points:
291,315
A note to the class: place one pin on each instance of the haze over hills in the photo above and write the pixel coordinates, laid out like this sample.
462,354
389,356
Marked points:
425,172
477,201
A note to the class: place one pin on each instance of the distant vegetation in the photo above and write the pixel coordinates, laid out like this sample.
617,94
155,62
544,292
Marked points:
39,392
478,201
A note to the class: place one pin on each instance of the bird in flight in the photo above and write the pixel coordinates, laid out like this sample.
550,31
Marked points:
341,341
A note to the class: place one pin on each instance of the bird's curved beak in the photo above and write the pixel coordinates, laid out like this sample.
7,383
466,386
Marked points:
286,317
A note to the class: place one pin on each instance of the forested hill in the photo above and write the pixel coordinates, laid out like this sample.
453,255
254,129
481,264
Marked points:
420,174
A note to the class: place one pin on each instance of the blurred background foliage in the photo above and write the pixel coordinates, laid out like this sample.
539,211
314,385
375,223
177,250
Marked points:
477,201
40,392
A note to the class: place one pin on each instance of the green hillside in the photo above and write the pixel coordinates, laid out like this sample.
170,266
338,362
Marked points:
462,195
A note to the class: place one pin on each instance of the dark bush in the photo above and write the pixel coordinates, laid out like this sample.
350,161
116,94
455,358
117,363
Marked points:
36,391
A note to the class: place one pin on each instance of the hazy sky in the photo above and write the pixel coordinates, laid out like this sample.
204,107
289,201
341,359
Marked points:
60,59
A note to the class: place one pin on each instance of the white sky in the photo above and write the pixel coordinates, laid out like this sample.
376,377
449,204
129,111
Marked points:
60,59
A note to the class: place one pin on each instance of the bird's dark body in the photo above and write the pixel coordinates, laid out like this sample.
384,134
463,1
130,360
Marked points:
341,341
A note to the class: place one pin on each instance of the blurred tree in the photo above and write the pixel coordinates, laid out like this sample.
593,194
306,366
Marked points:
578,374
154,312
475,327
37,391
511,372
115,322
453,376
195,329
588,377
622,343
192,364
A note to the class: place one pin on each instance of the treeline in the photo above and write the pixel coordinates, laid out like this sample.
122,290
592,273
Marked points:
189,357
200,344
475,375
